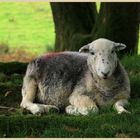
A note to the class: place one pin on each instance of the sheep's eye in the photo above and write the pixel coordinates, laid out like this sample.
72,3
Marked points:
92,53
112,51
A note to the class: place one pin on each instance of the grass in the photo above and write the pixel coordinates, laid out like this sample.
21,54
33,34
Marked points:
28,26
55,125
18,123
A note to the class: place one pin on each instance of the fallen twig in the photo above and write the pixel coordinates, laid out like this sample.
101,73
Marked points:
9,108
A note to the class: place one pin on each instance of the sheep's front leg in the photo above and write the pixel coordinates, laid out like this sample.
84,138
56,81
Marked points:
28,95
81,104
119,106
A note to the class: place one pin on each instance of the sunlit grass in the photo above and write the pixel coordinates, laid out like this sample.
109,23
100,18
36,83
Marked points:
98,6
27,26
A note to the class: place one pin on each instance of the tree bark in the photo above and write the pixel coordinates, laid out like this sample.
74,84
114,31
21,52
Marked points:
119,22
73,24
77,24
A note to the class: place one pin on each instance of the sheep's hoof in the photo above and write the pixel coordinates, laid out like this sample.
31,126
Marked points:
124,111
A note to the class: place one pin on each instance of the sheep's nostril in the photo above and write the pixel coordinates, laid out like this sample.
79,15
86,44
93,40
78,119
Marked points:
105,74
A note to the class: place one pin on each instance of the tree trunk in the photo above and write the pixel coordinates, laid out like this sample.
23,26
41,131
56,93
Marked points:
119,22
73,24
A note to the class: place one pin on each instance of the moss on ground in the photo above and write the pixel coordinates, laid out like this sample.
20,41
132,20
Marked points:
15,122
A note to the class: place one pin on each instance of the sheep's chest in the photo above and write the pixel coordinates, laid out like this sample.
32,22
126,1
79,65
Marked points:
103,99
102,92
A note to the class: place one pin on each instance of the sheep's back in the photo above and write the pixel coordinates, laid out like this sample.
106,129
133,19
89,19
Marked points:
58,73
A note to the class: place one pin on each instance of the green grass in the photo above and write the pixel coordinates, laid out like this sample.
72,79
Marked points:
28,26
106,124
18,123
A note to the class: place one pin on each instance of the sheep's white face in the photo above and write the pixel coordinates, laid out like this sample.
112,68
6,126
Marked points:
102,57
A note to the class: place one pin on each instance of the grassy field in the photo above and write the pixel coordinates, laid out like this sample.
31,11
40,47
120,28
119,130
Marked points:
27,26
17,123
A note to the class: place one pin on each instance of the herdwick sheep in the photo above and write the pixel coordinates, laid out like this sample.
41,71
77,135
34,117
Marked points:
77,82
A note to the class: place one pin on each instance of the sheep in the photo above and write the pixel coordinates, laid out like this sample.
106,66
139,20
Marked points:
77,82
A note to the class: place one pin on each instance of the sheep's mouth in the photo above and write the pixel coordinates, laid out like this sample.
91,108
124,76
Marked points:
103,77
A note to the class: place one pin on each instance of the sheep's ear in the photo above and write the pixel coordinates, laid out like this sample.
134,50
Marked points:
120,46
84,49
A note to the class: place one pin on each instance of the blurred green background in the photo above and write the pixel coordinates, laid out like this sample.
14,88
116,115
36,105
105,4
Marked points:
27,26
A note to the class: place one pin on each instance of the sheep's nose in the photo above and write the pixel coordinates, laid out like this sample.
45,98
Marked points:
105,73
